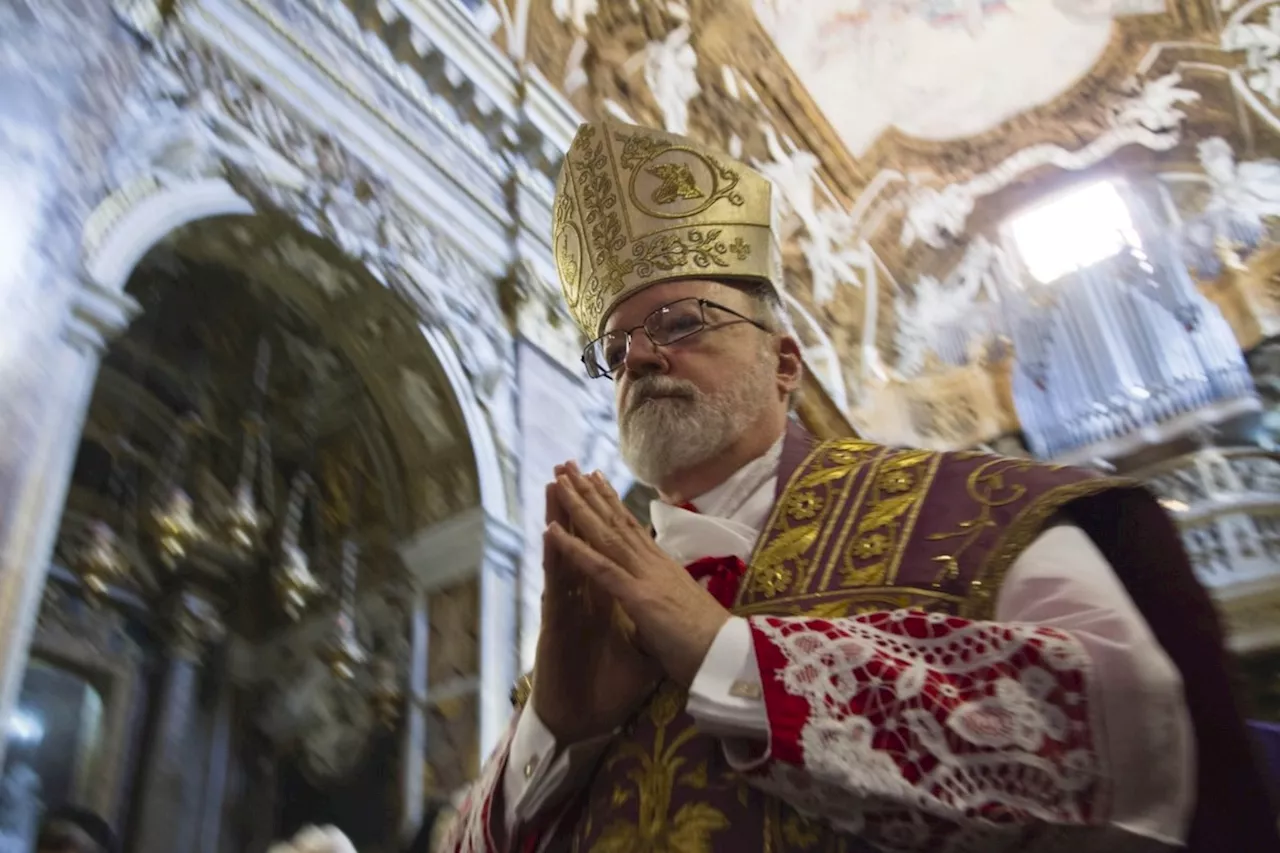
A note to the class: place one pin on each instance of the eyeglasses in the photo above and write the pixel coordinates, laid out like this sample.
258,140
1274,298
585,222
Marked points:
673,322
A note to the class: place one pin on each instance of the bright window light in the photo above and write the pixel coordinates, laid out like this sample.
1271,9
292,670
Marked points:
25,727
1073,231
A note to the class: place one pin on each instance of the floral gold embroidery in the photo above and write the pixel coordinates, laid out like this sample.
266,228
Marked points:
667,252
980,603
991,485
895,482
771,583
656,776
786,555
871,545
883,523
803,505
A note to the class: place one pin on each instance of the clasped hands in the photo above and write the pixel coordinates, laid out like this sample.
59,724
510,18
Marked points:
618,613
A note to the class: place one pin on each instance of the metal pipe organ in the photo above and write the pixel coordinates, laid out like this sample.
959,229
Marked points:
1109,359
1119,346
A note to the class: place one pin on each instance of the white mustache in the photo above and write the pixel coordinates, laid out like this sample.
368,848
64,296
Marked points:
653,387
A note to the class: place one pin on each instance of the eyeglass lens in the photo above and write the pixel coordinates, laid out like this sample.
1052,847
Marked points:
666,325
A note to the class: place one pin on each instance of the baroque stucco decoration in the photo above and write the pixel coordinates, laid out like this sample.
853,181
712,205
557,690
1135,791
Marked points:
197,116
1150,117
201,136
876,200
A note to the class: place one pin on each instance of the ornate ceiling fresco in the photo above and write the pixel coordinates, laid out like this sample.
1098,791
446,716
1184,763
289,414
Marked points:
936,70
897,133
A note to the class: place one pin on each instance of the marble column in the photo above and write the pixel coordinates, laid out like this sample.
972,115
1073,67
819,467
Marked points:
34,493
172,770
474,544
413,749
499,652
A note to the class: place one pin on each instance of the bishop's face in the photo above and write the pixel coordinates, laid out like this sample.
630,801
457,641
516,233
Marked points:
685,402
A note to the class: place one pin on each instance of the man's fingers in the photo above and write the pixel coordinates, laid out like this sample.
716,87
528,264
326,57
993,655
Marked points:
586,522
555,507
590,493
589,563
618,510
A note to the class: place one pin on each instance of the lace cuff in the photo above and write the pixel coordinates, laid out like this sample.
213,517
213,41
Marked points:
905,725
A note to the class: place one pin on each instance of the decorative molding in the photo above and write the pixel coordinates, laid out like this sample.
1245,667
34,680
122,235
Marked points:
97,315
460,547
242,151
1151,116
1258,81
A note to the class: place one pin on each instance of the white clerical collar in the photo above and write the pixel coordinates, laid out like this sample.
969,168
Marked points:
726,520
726,499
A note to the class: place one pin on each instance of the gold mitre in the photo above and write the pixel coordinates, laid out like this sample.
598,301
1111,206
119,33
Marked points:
635,207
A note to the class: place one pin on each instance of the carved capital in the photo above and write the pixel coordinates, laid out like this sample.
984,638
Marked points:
460,547
96,315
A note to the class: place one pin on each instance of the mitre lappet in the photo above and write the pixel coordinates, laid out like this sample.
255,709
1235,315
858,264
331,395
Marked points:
636,207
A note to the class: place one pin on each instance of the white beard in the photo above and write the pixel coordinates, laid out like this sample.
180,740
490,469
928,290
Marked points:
661,436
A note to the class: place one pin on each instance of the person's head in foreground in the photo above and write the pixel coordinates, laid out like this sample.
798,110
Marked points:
668,262
75,830
315,839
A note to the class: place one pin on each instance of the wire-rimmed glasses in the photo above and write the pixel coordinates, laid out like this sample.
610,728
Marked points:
672,322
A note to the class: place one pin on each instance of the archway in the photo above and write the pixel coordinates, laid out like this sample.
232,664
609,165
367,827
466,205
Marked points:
423,435
124,228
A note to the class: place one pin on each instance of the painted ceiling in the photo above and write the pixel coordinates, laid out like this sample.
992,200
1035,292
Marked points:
901,134
935,69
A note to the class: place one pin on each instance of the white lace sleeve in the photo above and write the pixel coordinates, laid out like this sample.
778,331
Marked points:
922,731
904,726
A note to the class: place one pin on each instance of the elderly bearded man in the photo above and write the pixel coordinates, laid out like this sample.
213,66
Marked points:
832,646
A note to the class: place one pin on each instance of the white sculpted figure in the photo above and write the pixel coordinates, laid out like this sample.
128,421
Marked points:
1156,106
1261,46
934,215
1244,192
575,11
937,304
671,71
827,244
1242,196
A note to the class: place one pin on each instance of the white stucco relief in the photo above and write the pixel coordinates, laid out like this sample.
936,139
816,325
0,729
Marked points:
936,70
1151,116
933,304
671,72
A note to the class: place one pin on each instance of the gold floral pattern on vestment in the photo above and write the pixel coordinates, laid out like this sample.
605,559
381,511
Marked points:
800,522
653,777
980,603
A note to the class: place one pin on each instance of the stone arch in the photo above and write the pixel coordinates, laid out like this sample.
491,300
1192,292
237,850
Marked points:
133,222
122,230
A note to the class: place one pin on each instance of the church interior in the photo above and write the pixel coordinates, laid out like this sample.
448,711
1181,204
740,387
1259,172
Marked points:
285,365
